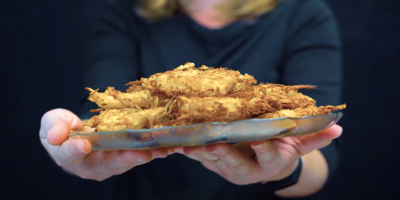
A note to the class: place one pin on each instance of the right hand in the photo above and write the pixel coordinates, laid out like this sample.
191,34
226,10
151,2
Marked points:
75,155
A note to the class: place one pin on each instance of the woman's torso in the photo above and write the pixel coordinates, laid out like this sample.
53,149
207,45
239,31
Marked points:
255,48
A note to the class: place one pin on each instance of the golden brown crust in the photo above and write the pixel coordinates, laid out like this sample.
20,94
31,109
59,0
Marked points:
214,109
112,99
188,95
127,118
303,111
187,111
189,81
279,96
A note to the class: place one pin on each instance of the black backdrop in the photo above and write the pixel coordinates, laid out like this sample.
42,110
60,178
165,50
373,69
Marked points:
41,53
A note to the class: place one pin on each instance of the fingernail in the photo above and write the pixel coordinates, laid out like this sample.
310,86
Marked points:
79,152
157,155
209,157
140,160
212,149
216,151
260,146
81,145
188,150
84,152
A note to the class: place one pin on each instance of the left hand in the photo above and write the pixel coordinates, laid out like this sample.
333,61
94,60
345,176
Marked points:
259,161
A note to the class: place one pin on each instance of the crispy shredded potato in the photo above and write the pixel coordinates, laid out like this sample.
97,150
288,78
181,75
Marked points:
127,118
189,81
302,112
189,95
142,99
215,109
279,96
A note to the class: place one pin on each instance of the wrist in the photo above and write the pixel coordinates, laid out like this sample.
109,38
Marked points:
284,173
312,179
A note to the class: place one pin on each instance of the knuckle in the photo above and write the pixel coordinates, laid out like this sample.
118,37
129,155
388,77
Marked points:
46,115
207,156
223,152
237,166
63,159
68,155
67,159
216,162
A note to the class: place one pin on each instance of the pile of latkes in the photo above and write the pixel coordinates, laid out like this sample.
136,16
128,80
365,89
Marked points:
189,95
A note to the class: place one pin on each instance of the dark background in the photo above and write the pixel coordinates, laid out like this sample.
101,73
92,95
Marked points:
41,54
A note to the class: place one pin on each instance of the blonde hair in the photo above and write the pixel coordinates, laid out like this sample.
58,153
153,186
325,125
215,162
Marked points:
230,9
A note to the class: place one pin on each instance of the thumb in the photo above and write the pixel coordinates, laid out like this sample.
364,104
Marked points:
56,125
318,140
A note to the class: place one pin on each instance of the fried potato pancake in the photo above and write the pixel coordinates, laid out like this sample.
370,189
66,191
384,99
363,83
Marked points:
189,81
189,95
127,118
215,109
302,112
112,99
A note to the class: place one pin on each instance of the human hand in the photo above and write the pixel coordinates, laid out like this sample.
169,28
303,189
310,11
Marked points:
259,161
76,155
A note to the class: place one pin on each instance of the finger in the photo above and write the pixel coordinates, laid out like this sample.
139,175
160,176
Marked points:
72,151
318,140
161,152
190,150
117,161
245,148
212,167
267,154
177,150
196,153
209,161
58,133
56,125
235,160
199,153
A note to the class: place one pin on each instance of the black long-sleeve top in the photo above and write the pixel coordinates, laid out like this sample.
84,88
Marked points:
297,43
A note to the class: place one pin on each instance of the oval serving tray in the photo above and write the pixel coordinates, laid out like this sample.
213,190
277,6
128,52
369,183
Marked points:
207,133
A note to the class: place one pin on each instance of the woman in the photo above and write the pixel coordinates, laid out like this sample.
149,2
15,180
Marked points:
278,41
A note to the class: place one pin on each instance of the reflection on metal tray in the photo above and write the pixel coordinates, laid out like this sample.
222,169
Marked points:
208,133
